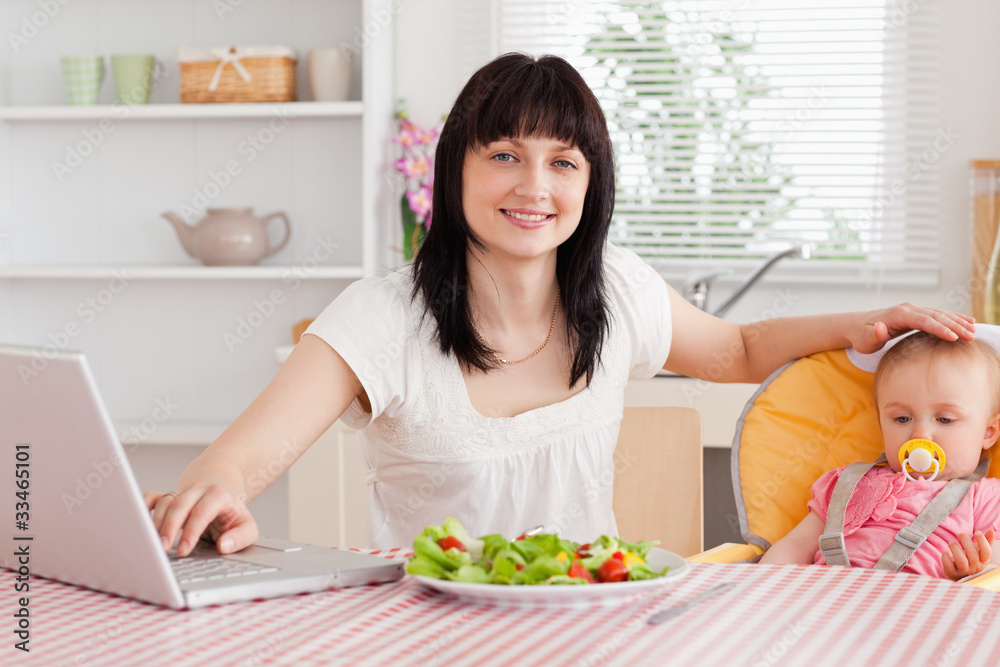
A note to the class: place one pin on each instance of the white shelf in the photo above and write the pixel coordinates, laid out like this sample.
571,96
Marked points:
170,433
182,272
181,111
282,353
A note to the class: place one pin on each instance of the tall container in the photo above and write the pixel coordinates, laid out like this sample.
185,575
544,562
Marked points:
984,285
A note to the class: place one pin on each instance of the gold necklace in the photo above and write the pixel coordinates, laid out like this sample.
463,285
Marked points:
541,347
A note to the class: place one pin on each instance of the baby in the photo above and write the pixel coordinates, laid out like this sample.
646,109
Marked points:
925,389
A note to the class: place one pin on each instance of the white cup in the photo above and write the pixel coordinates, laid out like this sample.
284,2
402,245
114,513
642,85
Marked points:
330,72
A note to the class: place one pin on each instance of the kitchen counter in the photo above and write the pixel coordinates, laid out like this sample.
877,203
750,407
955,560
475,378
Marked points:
720,405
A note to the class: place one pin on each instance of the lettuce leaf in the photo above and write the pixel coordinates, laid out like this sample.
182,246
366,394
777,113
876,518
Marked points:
540,569
640,572
452,559
472,574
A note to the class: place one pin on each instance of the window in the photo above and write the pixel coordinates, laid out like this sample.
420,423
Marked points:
744,126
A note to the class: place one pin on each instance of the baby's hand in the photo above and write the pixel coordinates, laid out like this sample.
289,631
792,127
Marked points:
967,558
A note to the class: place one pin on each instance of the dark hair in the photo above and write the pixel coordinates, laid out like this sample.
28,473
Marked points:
517,96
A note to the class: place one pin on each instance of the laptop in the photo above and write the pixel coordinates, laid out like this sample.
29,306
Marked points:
83,520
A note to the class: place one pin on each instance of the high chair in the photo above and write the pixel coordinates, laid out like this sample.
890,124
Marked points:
810,416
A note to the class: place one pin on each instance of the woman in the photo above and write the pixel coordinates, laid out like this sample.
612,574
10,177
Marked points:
488,380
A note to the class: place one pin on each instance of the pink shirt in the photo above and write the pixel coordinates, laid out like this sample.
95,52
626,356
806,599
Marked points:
885,501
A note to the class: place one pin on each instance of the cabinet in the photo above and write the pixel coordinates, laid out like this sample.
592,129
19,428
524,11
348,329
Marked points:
86,261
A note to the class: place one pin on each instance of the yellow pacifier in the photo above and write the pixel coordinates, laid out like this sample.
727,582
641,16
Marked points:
921,456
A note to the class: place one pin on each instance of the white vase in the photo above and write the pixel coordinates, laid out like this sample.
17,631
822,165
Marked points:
330,72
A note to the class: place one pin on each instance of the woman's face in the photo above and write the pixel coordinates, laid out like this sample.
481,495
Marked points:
524,197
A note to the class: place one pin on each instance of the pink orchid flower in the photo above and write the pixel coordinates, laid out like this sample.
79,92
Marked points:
425,137
407,139
420,202
413,167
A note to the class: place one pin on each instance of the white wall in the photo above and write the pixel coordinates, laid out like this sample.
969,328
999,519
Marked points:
429,45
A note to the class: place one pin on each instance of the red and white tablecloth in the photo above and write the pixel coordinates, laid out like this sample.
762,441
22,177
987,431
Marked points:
777,615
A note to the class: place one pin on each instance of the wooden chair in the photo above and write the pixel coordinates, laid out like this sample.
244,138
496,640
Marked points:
658,478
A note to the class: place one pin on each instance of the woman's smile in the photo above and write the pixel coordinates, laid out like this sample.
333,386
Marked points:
526,218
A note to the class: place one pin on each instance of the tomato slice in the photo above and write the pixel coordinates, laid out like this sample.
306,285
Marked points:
619,555
578,571
451,542
612,570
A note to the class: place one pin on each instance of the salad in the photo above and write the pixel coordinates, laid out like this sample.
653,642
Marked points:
448,552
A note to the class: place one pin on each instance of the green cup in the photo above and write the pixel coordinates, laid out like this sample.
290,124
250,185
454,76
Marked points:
133,77
82,76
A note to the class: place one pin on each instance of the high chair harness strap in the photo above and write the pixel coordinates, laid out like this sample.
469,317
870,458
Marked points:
831,542
908,539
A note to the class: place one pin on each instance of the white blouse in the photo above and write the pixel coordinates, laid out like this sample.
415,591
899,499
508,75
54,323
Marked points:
428,454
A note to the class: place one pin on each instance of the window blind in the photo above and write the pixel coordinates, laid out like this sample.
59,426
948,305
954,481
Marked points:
742,127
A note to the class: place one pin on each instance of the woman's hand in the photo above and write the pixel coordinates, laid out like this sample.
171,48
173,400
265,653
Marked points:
967,558
201,508
878,326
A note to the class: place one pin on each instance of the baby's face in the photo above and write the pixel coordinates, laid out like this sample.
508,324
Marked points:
944,400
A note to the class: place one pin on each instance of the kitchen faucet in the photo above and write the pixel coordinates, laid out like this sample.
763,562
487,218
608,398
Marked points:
695,288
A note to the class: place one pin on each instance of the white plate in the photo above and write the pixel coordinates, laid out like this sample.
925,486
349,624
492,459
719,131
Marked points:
566,594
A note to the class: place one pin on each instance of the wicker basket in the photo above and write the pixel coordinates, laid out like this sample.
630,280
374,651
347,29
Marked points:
237,74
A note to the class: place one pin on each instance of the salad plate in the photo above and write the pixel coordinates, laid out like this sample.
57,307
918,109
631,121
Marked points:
566,594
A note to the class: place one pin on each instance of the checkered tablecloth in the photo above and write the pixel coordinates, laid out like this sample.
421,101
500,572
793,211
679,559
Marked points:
777,615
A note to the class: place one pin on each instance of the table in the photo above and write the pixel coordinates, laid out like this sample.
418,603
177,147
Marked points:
790,615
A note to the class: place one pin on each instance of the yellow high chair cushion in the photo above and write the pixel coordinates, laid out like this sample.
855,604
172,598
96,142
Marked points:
814,406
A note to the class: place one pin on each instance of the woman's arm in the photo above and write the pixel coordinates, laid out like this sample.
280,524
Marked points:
706,347
799,546
310,392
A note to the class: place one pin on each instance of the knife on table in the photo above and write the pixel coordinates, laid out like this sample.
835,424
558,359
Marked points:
679,609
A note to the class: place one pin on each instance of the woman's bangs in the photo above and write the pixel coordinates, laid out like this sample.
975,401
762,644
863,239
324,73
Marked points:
538,105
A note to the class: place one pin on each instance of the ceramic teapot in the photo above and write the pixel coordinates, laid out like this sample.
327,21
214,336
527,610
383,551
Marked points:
229,236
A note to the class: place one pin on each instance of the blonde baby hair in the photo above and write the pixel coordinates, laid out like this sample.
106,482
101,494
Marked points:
922,345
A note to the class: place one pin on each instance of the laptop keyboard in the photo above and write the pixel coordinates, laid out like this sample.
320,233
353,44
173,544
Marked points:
194,570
